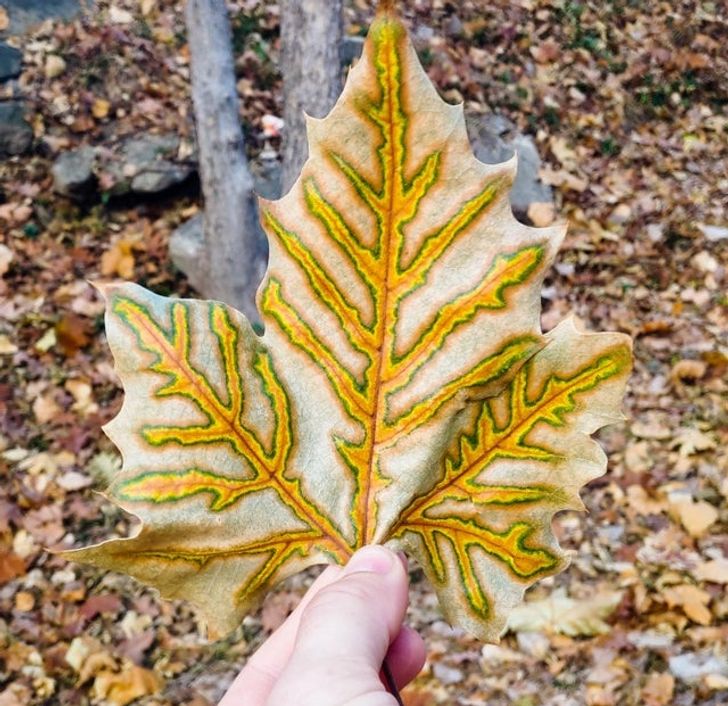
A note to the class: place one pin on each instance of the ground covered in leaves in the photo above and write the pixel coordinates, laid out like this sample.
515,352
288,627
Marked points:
627,103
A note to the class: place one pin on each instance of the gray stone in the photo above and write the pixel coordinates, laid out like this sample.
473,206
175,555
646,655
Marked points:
267,175
186,250
25,14
73,173
351,49
159,177
16,136
495,139
11,62
145,165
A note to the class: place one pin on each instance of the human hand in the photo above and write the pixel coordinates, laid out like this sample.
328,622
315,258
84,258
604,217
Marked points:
330,650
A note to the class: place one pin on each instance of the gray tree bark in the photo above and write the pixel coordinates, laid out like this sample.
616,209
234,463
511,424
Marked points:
311,36
227,264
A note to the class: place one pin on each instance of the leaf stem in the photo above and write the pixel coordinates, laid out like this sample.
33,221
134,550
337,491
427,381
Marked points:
391,684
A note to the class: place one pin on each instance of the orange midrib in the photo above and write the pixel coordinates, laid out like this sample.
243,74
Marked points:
369,527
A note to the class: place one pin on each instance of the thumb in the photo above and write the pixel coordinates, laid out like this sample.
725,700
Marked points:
344,635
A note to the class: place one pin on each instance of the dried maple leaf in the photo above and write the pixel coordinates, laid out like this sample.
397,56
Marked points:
402,391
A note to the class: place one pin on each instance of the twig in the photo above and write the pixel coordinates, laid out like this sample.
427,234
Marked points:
391,684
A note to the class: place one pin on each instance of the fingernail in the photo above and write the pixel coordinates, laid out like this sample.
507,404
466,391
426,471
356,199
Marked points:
373,559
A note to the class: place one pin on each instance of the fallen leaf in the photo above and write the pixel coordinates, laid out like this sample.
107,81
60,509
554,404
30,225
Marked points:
276,608
692,667
683,370
134,647
714,571
541,214
73,480
417,696
692,600
560,614
82,393
642,503
546,52
119,259
106,603
72,334
46,341
659,689
130,684
7,347
54,66
45,408
696,517
100,108
24,601
120,16
11,566
690,440
4,19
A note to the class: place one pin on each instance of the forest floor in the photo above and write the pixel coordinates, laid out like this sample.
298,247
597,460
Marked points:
627,102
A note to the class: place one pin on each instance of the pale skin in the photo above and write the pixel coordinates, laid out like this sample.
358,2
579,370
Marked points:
330,650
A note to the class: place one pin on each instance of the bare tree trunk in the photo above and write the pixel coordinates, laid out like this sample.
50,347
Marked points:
311,35
227,266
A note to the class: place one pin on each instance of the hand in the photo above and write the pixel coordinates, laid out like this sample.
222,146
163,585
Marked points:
330,650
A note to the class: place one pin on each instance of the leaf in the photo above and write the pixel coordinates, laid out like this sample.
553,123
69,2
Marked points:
483,531
560,614
128,685
11,566
695,517
693,600
658,689
402,390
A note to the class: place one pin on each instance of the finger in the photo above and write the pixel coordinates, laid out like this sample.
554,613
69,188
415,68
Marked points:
406,656
252,686
345,632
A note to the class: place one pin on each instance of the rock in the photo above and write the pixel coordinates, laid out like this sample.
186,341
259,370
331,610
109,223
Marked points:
145,165
186,250
25,14
73,173
267,174
16,136
11,62
351,49
162,176
494,140
148,158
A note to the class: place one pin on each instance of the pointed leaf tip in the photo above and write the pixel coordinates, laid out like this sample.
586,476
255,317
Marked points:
386,6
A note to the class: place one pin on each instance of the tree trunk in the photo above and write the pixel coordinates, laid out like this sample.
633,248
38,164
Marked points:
229,263
311,35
